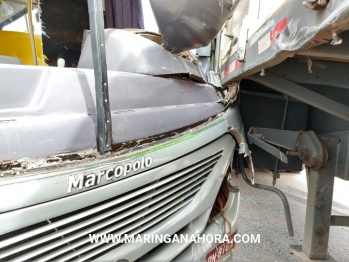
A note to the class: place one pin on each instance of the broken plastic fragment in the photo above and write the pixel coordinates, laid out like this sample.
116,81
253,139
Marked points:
6,9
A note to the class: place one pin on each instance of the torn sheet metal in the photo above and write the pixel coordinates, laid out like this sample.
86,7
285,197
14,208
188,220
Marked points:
236,128
186,25
234,123
153,36
129,52
293,28
214,79
238,131
224,224
62,166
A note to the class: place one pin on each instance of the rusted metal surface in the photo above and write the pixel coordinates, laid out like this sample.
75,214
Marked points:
313,150
316,4
261,137
319,204
293,153
319,200
10,168
221,199
233,91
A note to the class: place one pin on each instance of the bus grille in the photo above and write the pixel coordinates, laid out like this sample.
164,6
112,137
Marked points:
67,238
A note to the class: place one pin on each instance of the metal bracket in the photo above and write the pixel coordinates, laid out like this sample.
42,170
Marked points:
312,150
340,221
262,136
306,145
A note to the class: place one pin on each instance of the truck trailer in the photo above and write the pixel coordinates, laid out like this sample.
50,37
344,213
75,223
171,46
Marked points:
145,135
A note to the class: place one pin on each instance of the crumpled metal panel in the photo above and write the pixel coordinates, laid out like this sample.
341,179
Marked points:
135,91
54,186
129,52
185,25
152,121
214,79
33,122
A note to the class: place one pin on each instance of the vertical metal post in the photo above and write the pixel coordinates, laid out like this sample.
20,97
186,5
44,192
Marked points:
218,52
319,207
31,31
104,125
282,128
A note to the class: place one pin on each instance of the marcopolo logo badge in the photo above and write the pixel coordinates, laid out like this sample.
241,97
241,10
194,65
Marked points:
95,178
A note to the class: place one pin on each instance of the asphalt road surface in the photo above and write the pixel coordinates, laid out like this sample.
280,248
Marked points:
261,212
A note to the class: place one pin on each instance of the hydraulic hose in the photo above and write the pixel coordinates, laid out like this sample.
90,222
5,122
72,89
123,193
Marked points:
272,189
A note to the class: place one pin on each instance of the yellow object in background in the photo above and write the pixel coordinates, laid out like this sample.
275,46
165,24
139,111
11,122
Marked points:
17,44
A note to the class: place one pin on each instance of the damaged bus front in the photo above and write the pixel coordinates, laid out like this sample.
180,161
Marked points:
138,140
